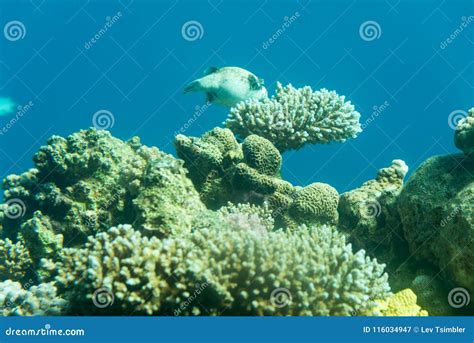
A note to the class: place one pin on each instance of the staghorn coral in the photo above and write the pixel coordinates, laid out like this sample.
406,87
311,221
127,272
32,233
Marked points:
40,300
369,214
295,117
464,134
237,272
90,181
15,260
437,213
402,303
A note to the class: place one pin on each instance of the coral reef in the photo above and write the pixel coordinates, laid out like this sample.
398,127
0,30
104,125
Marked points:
464,135
225,171
402,303
40,300
295,117
438,217
369,214
237,272
15,260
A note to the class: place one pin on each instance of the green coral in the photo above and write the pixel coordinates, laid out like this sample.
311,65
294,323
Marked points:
369,214
464,135
437,212
15,260
250,173
40,300
295,117
237,272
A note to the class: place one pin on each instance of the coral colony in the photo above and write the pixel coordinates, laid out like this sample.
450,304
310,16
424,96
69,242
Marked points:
101,226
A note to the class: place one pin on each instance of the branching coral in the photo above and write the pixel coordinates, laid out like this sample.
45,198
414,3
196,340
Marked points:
464,135
295,117
40,300
237,272
15,260
223,170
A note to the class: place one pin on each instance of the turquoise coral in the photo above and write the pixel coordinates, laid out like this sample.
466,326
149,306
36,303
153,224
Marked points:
295,117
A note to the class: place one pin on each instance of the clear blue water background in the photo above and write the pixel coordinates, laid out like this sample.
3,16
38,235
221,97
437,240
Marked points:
137,71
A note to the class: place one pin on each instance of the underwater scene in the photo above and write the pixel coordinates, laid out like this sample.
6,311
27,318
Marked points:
237,158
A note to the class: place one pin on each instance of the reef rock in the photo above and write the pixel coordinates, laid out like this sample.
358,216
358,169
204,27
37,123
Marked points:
464,135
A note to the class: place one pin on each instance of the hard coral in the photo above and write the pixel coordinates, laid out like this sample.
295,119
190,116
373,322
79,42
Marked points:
295,117
464,135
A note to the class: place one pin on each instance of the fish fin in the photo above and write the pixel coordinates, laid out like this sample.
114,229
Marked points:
210,97
255,82
210,70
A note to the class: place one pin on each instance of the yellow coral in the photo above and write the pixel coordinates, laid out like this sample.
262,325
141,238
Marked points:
402,303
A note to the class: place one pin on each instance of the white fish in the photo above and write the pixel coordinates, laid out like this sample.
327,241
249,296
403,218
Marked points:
228,86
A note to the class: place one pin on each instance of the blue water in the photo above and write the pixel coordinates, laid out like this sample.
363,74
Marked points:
138,68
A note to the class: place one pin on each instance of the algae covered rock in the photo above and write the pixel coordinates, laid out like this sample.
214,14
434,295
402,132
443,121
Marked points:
437,211
219,271
369,214
295,117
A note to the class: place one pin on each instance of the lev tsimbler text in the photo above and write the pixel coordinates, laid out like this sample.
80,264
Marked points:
414,329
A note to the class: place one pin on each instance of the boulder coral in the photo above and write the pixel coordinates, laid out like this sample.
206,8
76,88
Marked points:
464,134
295,117
224,171
223,271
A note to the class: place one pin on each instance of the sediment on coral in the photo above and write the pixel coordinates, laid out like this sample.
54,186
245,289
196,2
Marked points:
225,171
295,117
223,271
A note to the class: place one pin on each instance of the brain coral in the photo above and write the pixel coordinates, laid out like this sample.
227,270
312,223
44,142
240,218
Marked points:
437,212
310,271
369,213
90,181
40,300
294,117
250,173
464,135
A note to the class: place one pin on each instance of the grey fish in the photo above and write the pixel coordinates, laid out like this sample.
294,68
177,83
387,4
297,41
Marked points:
228,86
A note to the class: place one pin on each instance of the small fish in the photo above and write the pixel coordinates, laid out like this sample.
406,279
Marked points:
7,106
228,86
